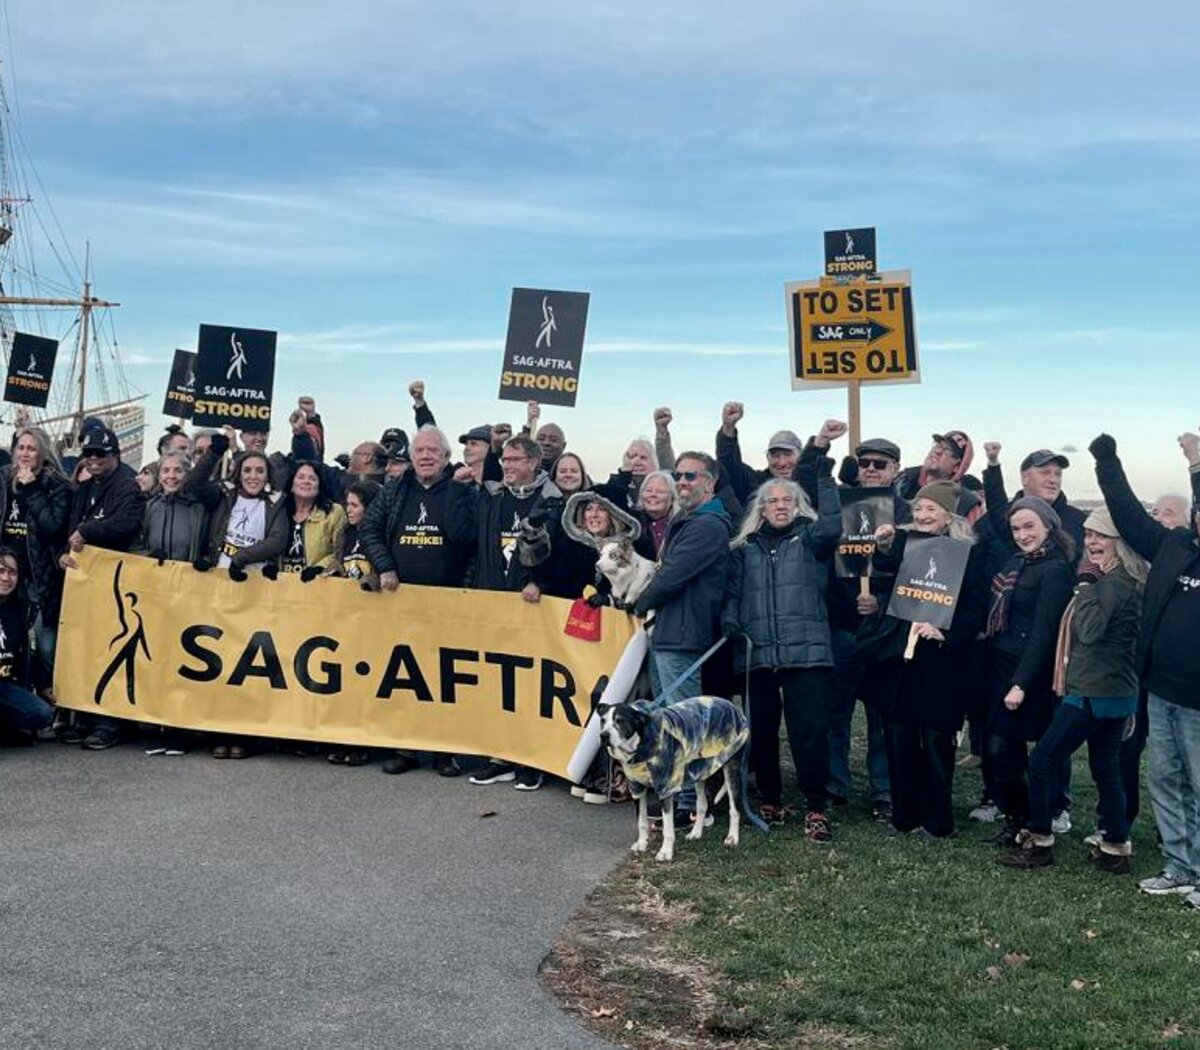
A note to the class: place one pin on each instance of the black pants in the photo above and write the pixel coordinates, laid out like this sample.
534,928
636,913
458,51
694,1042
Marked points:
921,767
1131,761
801,696
1006,775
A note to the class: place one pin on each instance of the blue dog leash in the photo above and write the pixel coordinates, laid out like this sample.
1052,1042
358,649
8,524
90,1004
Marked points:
744,762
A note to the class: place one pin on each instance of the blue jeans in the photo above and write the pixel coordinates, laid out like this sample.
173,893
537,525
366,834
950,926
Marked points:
1071,727
665,667
843,697
1175,784
21,709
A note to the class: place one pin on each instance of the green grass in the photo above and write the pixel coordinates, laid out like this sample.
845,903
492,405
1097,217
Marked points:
910,945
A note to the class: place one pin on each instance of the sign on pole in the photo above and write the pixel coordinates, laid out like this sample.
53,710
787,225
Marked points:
235,376
840,332
930,580
544,348
850,253
181,386
30,369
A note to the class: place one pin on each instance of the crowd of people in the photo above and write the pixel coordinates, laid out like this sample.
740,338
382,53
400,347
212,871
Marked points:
1070,627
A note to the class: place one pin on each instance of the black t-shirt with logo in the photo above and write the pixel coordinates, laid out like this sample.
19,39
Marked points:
513,511
12,642
14,531
1174,655
419,548
293,556
354,559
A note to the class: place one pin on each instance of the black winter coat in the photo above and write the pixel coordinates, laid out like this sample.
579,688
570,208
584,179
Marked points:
932,689
998,536
479,509
47,506
107,512
689,586
1169,551
775,591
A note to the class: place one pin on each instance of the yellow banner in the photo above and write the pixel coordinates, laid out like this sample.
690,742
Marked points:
434,669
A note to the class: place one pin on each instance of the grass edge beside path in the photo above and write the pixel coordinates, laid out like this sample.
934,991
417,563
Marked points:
875,942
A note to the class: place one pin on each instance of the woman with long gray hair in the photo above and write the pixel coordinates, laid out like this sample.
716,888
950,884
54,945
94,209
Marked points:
775,597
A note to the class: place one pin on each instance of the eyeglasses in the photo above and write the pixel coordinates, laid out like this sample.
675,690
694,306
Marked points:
689,475
95,455
867,463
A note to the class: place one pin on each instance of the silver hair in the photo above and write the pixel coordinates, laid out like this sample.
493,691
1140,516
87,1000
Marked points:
437,432
958,529
666,476
648,445
46,451
177,453
754,513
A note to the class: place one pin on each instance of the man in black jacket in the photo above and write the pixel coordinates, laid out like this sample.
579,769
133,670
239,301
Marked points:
1168,662
106,511
515,524
413,533
783,453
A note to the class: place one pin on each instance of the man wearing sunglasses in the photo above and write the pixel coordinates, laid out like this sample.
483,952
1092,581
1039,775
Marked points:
874,465
687,589
106,511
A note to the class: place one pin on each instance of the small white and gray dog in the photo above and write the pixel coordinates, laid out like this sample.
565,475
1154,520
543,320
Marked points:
661,749
627,571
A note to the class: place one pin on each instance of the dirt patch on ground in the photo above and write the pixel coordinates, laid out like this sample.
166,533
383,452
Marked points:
618,967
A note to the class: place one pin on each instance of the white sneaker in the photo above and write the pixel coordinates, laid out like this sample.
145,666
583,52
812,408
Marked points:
1094,839
985,814
595,797
1161,884
1061,824
578,791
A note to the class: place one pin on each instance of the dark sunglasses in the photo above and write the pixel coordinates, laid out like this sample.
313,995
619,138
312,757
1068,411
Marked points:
879,464
689,475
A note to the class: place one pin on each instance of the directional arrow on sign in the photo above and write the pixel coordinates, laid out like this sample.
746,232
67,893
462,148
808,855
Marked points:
849,332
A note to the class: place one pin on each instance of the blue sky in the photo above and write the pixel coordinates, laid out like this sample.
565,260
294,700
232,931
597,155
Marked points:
372,179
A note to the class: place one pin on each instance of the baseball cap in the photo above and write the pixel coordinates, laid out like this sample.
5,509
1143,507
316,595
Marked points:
785,439
399,452
102,440
880,446
955,440
1043,456
479,433
394,436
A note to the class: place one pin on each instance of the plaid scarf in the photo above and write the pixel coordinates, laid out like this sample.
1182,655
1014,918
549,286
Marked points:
1003,585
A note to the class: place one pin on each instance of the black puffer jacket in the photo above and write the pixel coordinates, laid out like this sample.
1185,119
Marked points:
775,590
47,506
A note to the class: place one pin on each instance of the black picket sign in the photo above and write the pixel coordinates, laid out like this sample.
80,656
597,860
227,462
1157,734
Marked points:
850,253
930,580
181,386
544,349
863,511
30,370
235,377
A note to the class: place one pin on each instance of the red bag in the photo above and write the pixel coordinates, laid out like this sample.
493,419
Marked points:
583,621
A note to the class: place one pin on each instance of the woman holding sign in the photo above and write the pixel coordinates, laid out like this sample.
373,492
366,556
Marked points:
916,673
1029,595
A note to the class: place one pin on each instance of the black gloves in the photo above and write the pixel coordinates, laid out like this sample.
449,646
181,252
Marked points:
1088,572
237,573
159,556
202,565
270,570
848,474
598,600
1104,447
220,444
310,573
537,517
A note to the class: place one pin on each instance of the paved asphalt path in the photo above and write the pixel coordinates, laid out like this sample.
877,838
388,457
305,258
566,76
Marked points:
283,902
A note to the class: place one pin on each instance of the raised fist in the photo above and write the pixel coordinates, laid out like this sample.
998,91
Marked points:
662,418
416,390
1104,447
731,414
991,449
298,421
830,431
1190,443
533,412
464,473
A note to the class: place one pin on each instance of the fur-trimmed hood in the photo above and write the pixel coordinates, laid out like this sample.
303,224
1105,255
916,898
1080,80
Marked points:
625,525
